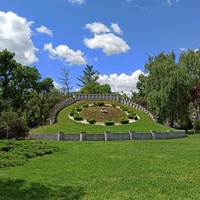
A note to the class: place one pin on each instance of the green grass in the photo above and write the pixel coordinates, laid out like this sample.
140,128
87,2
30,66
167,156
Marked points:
154,169
66,125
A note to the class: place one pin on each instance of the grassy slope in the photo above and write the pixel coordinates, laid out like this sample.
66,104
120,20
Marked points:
161,169
145,124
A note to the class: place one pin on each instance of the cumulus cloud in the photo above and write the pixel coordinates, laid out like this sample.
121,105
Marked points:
97,28
116,28
15,36
63,52
57,85
122,82
105,40
76,1
43,29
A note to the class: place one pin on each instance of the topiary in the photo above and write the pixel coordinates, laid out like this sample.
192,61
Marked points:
109,122
124,121
78,117
91,120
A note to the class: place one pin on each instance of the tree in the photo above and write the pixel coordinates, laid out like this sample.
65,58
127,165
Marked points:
88,82
7,67
65,79
167,87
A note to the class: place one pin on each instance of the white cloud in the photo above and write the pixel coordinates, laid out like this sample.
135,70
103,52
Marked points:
43,29
15,36
63,52
109,43
105,40
122,82
97,28
169,2
76,1
116,28
56,85
183,49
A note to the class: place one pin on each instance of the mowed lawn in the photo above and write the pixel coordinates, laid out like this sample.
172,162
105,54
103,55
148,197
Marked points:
150,169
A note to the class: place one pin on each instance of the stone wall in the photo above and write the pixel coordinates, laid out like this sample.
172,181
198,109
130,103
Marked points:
107,136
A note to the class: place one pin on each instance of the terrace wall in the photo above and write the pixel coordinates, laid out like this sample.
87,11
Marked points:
107,136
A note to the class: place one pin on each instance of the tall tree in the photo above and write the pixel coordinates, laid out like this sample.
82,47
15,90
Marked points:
89,81
7,67
167,87
66,80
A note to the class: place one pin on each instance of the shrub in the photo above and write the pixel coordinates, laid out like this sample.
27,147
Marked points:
91,120
124,121
109,122
78,117
85,105
132,116
125,108
100,103
73,112
78,108
113,105
197,125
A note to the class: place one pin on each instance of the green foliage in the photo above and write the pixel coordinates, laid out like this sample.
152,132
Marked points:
132,115
91,120
78,117
124,120
100,103
14,153
85,105
109,122
167,87
197,125
185,123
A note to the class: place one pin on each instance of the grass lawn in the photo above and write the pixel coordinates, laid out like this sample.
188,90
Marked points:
161,169
66,125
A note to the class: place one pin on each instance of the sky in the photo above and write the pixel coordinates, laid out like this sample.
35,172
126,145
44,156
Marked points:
114,36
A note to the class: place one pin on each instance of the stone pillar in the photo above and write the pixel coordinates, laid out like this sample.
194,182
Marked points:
82,136
153,133
107,135
60,136
171,133
52,120
132,135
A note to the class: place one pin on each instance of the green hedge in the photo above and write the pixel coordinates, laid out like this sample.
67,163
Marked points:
124,121
78,117
109,122
91,120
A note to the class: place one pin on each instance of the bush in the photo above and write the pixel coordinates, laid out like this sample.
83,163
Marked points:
17,128
78,117
109,122
124,121
113,105
78,108
91,120
197,125
73,112
100,103
132,116
85,105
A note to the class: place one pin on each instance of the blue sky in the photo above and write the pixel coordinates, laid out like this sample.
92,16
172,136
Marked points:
115,36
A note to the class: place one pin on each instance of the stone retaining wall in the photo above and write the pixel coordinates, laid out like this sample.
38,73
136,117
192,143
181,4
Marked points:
107,136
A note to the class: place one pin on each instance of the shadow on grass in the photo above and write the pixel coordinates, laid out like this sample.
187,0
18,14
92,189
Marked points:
23,190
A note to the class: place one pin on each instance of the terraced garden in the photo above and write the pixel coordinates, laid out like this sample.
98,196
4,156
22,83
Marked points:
66,125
